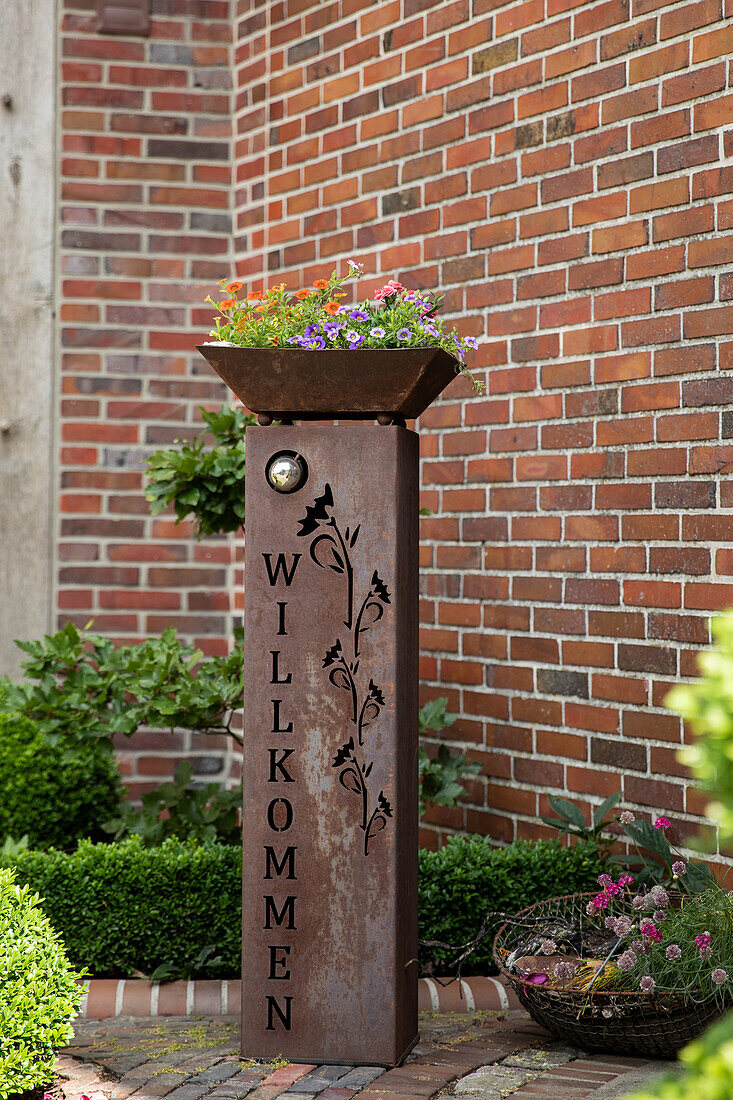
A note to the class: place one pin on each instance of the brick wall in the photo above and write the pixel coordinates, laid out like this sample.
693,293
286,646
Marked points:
144,234
560,169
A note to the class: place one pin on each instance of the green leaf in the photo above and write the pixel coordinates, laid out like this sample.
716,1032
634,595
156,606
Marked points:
567,810
604,808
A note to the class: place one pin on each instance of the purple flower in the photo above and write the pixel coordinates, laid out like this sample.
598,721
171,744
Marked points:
719,976
403,334
354,339
355,267
639,902
590,909
604,880
662,823
316,342
610,922
678,868
647,984
638,946
430,329
548,947
658,897
623,926
358,315
626,817
703,940
627,961
564,970
673,952
471,342
658,915
378,332
311,330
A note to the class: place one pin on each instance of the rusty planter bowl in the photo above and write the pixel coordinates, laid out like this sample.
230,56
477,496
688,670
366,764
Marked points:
655,1025
294,384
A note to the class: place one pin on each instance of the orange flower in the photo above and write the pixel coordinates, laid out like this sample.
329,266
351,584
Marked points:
259,309
272,339
300,294
232,288
320,284
255,296
331,307
227,304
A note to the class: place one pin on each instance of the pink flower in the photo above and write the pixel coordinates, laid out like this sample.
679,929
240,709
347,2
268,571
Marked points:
611,889
601,901
719,976
386,291
662,823
604,880
678,868
625,880
639,902
650,930
703,940
646,985
673,952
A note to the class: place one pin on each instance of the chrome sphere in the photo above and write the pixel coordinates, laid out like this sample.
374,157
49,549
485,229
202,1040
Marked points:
286,472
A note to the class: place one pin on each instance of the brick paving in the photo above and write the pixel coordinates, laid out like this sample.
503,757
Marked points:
482,1055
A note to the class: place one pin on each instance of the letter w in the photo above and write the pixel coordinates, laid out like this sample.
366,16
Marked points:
273,574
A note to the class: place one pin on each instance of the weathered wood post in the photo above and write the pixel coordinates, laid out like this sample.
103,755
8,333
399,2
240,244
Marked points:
330,704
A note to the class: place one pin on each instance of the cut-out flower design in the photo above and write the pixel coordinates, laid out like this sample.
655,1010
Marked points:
330,548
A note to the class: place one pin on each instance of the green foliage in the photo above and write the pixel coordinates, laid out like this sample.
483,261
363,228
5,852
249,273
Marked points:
50,798
711,912
709,1066
571,819
123,907
467,880
38,993
707,705
204,483
654,849
81,687
206,815
440,774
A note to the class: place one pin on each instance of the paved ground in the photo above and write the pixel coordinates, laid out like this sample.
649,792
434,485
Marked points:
484,1055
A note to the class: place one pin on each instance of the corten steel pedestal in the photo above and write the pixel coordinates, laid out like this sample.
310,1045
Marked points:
330,758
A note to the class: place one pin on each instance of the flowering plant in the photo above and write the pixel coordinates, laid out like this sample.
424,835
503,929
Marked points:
663,946
313,318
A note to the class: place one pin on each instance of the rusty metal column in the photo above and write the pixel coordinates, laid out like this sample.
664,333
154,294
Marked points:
330,759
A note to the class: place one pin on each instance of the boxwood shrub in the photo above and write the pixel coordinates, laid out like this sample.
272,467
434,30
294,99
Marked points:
123,908
467,879
38,992
52,798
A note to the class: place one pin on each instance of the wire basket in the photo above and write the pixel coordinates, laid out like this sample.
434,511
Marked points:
622,1021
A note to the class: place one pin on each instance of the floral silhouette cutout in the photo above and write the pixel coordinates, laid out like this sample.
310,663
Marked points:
330,549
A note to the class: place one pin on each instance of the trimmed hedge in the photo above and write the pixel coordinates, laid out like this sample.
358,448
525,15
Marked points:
467,879
51,798
122,907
